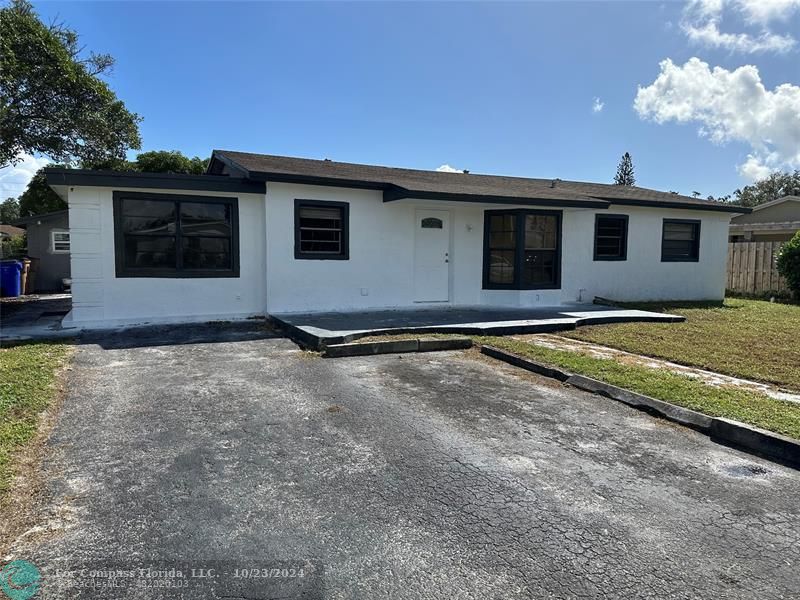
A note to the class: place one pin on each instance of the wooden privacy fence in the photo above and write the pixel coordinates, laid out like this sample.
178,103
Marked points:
751,268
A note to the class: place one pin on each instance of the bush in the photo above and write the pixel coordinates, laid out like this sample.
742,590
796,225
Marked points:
789,263
13,247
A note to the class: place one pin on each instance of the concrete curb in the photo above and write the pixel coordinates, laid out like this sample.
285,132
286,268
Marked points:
524,363
671,412
394,347
770,445
753,440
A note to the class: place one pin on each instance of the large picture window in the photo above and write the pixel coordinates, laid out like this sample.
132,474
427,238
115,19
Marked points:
170,235
522,249
321,230
611,237
680,241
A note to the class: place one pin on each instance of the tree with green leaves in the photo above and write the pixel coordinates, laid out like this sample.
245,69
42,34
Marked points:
39,198
52,100
9,211
624,174
788,263
771,188
169,161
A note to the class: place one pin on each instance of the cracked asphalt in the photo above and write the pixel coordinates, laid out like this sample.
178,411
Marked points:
441,475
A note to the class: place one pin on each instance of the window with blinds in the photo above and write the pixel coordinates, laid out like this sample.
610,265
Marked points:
321,230
680,240
611,237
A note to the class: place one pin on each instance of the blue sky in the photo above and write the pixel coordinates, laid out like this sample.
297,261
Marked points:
490,87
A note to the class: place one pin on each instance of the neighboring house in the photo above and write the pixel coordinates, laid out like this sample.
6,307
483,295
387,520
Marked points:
49,242
775,221
9,231
269,234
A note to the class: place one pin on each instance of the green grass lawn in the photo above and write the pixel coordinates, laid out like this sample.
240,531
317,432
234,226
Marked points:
733,403
27,386
744,338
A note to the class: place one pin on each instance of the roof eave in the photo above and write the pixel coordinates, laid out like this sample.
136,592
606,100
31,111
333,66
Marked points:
397,193
317,180
711,206
60,178
217,157
44,216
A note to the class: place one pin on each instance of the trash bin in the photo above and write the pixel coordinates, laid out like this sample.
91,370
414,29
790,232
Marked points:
23,278
31,283
9,277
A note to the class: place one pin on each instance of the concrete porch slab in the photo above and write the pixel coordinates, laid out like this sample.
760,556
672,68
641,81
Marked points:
316,330
35,317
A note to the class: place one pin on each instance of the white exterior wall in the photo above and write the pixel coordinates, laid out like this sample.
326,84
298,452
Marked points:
643,276
380,271
99,297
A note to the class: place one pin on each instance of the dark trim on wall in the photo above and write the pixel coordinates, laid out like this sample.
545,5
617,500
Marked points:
344,207
171,181
624,256
687,206
695,258
124,272
401,193
519,251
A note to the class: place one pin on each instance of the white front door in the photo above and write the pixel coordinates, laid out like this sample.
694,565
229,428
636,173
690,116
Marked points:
432,256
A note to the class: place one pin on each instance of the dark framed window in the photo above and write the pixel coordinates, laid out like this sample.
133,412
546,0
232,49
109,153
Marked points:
522,249
321,230
171,235
680,240
611,237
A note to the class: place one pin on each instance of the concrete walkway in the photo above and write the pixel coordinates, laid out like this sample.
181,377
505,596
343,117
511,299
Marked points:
317,329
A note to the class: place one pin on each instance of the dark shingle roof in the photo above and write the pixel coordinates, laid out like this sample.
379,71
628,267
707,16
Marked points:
10,230
414,183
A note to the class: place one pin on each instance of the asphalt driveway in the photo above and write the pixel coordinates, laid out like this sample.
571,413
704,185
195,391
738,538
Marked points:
438,475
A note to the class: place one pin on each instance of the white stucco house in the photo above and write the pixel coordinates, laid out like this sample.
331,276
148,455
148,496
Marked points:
260,234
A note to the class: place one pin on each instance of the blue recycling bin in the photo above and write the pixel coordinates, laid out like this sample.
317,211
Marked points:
10,271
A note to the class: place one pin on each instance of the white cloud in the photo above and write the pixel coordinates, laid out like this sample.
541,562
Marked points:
710,35
14,179
764,11
448,169
729,106
597,105
702,24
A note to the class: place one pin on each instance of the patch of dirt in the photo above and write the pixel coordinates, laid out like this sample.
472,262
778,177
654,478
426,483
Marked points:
474,353
23,504
334,408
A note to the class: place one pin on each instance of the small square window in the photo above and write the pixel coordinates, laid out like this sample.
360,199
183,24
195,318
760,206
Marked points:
321,230
680,241
611,237
59,242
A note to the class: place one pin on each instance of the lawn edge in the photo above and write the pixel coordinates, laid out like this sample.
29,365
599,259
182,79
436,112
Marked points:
778,385
23,498
754,440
